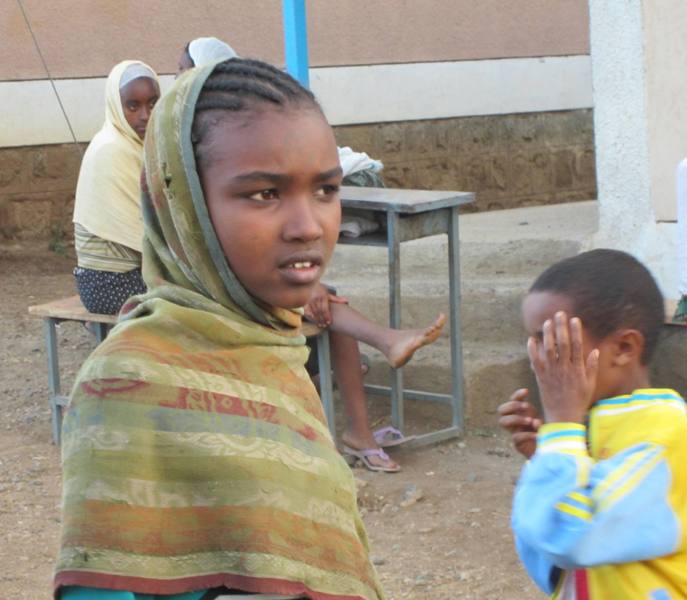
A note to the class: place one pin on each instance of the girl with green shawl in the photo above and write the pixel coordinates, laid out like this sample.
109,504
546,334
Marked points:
195,450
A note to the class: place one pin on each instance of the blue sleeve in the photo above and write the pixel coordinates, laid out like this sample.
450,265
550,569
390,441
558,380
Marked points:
571,512
540,568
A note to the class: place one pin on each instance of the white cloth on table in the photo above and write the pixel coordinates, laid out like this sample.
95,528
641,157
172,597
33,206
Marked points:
352,162
357,223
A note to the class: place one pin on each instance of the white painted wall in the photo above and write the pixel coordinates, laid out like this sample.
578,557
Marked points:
363,94
31,114
406,92
665,47
630,136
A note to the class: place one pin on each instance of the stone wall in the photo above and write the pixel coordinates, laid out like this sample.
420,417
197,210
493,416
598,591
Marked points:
37,186
509,160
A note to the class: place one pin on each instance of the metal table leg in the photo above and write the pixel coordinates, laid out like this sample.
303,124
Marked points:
394,248
456,344
326,385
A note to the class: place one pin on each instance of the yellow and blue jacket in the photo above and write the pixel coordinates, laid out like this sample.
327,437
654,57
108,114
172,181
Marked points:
600,512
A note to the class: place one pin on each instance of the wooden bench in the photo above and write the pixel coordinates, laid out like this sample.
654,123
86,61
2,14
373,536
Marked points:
53,313
71,309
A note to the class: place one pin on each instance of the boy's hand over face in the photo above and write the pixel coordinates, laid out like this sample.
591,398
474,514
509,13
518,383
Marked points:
565,377
520,419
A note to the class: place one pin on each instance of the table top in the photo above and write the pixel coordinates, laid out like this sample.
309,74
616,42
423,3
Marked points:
69,309
401,200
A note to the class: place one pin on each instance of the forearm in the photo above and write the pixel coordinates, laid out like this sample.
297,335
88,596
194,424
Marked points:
578,513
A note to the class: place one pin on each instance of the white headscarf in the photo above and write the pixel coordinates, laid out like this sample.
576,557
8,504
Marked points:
206,50
134,71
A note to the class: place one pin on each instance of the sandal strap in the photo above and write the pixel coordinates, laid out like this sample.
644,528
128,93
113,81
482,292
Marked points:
374,452
381,434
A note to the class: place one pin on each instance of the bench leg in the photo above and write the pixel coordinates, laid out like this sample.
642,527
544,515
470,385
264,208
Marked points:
101,331
326,385
53,377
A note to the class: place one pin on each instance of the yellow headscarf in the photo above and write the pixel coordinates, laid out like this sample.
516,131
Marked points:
108,192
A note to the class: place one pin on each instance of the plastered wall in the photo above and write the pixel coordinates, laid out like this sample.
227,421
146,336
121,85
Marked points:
84,38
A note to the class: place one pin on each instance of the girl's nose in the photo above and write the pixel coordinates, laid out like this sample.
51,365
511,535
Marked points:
301,222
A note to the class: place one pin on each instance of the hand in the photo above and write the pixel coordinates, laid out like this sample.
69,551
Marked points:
317,309
521,420
566,380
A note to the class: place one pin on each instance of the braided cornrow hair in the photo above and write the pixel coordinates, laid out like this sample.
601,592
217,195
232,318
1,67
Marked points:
238,85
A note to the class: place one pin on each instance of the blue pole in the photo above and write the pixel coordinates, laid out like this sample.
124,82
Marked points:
296,40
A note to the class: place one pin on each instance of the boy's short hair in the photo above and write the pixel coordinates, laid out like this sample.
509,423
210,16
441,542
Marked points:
610,290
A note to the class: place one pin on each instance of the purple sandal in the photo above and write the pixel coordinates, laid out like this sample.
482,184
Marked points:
387,437
364,457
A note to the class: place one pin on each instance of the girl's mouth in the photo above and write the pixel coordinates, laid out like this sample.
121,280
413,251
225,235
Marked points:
301,270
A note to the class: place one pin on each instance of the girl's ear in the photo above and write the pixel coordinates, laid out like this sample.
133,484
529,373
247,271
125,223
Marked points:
628,346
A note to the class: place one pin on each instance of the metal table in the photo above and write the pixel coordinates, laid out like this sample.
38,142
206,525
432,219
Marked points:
410,215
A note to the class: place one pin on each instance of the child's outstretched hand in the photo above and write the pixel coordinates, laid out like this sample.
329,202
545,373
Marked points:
521,420
565,377
317,308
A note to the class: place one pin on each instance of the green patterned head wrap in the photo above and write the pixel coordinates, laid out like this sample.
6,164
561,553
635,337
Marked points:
195,450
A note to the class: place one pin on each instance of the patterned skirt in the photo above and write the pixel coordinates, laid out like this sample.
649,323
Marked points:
104,292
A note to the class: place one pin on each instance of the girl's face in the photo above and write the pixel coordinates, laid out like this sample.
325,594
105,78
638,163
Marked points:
271,180
138,99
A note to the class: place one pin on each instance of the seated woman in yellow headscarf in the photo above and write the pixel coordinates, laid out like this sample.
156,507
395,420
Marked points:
108,227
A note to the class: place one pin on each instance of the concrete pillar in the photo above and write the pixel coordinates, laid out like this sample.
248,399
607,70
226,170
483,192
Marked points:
639,73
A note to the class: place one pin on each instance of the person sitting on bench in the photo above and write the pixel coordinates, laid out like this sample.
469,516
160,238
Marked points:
108,226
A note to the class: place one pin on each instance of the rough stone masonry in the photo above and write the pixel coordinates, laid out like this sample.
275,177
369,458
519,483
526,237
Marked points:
508,160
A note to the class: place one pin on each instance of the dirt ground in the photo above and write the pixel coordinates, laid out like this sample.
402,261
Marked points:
454,542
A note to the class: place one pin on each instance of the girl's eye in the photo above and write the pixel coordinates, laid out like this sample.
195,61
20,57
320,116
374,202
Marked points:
132,105
264,195
326,190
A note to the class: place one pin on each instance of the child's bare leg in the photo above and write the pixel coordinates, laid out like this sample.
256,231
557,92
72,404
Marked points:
346,364
398,345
